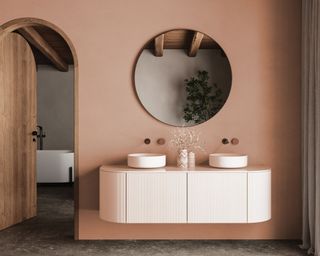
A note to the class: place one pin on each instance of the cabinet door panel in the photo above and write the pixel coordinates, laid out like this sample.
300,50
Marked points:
230,204
156,198
113,196
200,198
217,197
259,196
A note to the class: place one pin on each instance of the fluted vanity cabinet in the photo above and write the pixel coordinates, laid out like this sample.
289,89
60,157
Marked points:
170,195
217,197
113,200
259,196
156,197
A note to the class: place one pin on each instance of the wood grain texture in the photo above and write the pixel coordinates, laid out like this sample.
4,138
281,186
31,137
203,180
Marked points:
195,44
182,38
17,121
158,45
57,42
35,39
15,24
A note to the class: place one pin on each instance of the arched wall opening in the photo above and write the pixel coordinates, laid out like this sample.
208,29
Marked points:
19,23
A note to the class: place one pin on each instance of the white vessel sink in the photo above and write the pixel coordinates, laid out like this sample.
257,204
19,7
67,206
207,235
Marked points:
146,160
228,160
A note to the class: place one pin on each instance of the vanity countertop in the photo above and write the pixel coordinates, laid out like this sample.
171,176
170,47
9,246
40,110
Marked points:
200,168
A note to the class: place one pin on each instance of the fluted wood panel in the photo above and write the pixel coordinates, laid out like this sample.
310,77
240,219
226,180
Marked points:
217,197
259,196
156,197
17,121
113,196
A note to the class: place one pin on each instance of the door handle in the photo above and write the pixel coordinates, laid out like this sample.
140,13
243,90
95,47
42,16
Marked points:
34,134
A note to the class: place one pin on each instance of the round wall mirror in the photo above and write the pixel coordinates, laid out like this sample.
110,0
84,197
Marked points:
182,77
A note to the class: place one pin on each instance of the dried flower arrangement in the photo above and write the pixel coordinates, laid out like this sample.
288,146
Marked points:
186,138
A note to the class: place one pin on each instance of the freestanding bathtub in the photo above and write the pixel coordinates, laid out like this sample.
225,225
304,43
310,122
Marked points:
55,166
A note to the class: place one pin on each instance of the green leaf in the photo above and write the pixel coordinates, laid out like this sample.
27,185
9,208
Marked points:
202,101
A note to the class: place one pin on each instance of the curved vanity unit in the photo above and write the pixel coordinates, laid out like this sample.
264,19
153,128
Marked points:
146,160
228,160
172,195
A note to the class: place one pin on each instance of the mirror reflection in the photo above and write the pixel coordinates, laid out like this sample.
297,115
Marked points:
182,77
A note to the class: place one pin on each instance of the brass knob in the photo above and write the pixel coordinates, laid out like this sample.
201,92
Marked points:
235,141
161,141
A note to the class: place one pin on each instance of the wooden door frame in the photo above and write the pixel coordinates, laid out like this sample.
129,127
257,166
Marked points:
23,22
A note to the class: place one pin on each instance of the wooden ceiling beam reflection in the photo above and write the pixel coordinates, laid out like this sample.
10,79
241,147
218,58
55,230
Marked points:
35,39
158,45
195,44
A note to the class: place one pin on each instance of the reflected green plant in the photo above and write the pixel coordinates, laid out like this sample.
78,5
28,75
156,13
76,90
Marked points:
203,100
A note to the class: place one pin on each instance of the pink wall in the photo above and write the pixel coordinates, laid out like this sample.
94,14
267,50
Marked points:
262,40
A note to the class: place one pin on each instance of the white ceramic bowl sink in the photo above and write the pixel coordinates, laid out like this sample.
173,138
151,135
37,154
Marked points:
228,160
146,160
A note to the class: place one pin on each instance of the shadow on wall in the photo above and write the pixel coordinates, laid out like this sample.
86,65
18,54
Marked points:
91,177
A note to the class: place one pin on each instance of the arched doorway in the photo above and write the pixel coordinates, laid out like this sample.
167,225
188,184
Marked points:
26,23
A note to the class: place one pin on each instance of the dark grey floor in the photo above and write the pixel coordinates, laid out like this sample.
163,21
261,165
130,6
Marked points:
51,233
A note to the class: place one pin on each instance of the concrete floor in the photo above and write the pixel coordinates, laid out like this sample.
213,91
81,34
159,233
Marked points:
51,233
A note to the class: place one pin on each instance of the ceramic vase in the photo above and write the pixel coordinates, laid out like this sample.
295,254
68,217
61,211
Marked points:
191,160
182,160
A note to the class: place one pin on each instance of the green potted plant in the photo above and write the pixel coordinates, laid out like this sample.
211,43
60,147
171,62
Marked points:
203,100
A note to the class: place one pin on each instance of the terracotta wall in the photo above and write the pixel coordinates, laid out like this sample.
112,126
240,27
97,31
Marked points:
262,40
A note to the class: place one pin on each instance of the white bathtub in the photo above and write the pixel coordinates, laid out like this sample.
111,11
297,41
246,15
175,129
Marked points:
53,166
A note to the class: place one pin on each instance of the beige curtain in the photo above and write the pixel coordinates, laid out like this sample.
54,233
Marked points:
311,124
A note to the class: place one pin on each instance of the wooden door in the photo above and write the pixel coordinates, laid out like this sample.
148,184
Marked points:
17,121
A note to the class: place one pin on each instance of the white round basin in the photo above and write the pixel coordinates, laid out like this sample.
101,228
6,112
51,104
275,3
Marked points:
228,160
146,160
